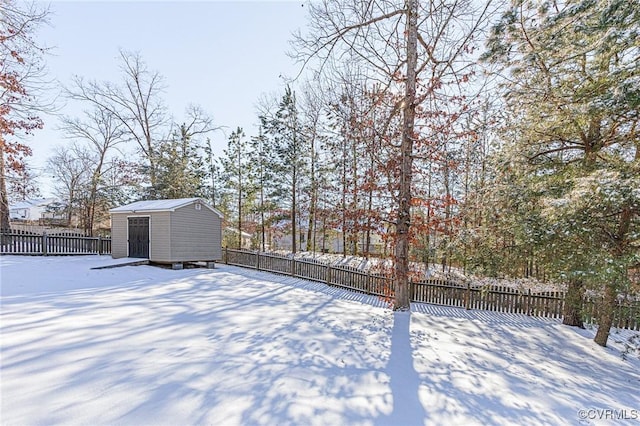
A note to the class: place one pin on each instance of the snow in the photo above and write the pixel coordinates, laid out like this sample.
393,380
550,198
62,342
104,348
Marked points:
161,205
154,205
145,345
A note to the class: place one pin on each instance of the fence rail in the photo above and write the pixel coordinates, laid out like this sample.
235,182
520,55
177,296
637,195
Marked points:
29,243
548,304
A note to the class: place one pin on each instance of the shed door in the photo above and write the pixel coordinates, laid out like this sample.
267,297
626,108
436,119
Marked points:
139,237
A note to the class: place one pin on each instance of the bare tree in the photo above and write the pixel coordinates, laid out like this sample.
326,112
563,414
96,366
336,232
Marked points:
414,49
71,165
135,102
103,131
22,184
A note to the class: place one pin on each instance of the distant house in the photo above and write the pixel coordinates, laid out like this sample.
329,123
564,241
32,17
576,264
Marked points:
167,231
328,241
231,238
30,210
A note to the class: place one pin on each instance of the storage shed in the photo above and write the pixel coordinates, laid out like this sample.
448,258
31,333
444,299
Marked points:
167,231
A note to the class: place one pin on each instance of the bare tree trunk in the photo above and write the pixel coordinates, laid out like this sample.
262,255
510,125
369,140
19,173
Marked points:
93,196
311,226
4,200
447,215
367,239
344,198
355,229
239,196
605,317
294,227
572,312
401,285
262,236
324,232
72,196
428,259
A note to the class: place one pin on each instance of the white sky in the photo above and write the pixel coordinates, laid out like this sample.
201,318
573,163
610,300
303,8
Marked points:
220,55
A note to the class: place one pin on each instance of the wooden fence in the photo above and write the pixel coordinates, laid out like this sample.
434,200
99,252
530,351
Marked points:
345,277
548,304
29,243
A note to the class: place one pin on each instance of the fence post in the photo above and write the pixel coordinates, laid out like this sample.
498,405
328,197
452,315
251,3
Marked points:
257,260
292,267
528,304
100,244
45,240
225,255
327,275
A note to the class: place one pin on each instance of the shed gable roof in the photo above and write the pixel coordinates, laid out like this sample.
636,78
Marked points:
161,206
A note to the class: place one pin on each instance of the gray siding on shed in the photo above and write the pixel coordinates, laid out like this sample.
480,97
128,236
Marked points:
119,243
178,231
195,234
160,241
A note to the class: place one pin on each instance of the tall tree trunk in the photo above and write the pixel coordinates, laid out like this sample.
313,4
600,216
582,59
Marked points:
355,229
572,312
428,259
153,175
311,226
367,240
447,215
605,314
605,317
294,227
239,195
324,232
344,198
4,200
401,285
72,196
262,236
93,196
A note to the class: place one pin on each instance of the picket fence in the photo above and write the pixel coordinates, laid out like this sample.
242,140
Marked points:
51,244
444,292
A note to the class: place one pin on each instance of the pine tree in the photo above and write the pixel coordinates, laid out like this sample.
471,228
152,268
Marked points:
238,177
180,168
574,99
289,156
263,177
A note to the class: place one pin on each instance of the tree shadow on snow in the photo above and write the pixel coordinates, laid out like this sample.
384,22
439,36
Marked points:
404,379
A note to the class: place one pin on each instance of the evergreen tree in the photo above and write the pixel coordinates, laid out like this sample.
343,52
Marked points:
263,177
238,181
289,156
214,175
180,167
574,99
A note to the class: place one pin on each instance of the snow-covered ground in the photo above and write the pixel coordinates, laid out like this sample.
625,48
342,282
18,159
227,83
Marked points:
145,345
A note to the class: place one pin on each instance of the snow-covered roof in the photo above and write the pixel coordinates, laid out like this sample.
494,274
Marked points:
161,206
27,204
235,231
